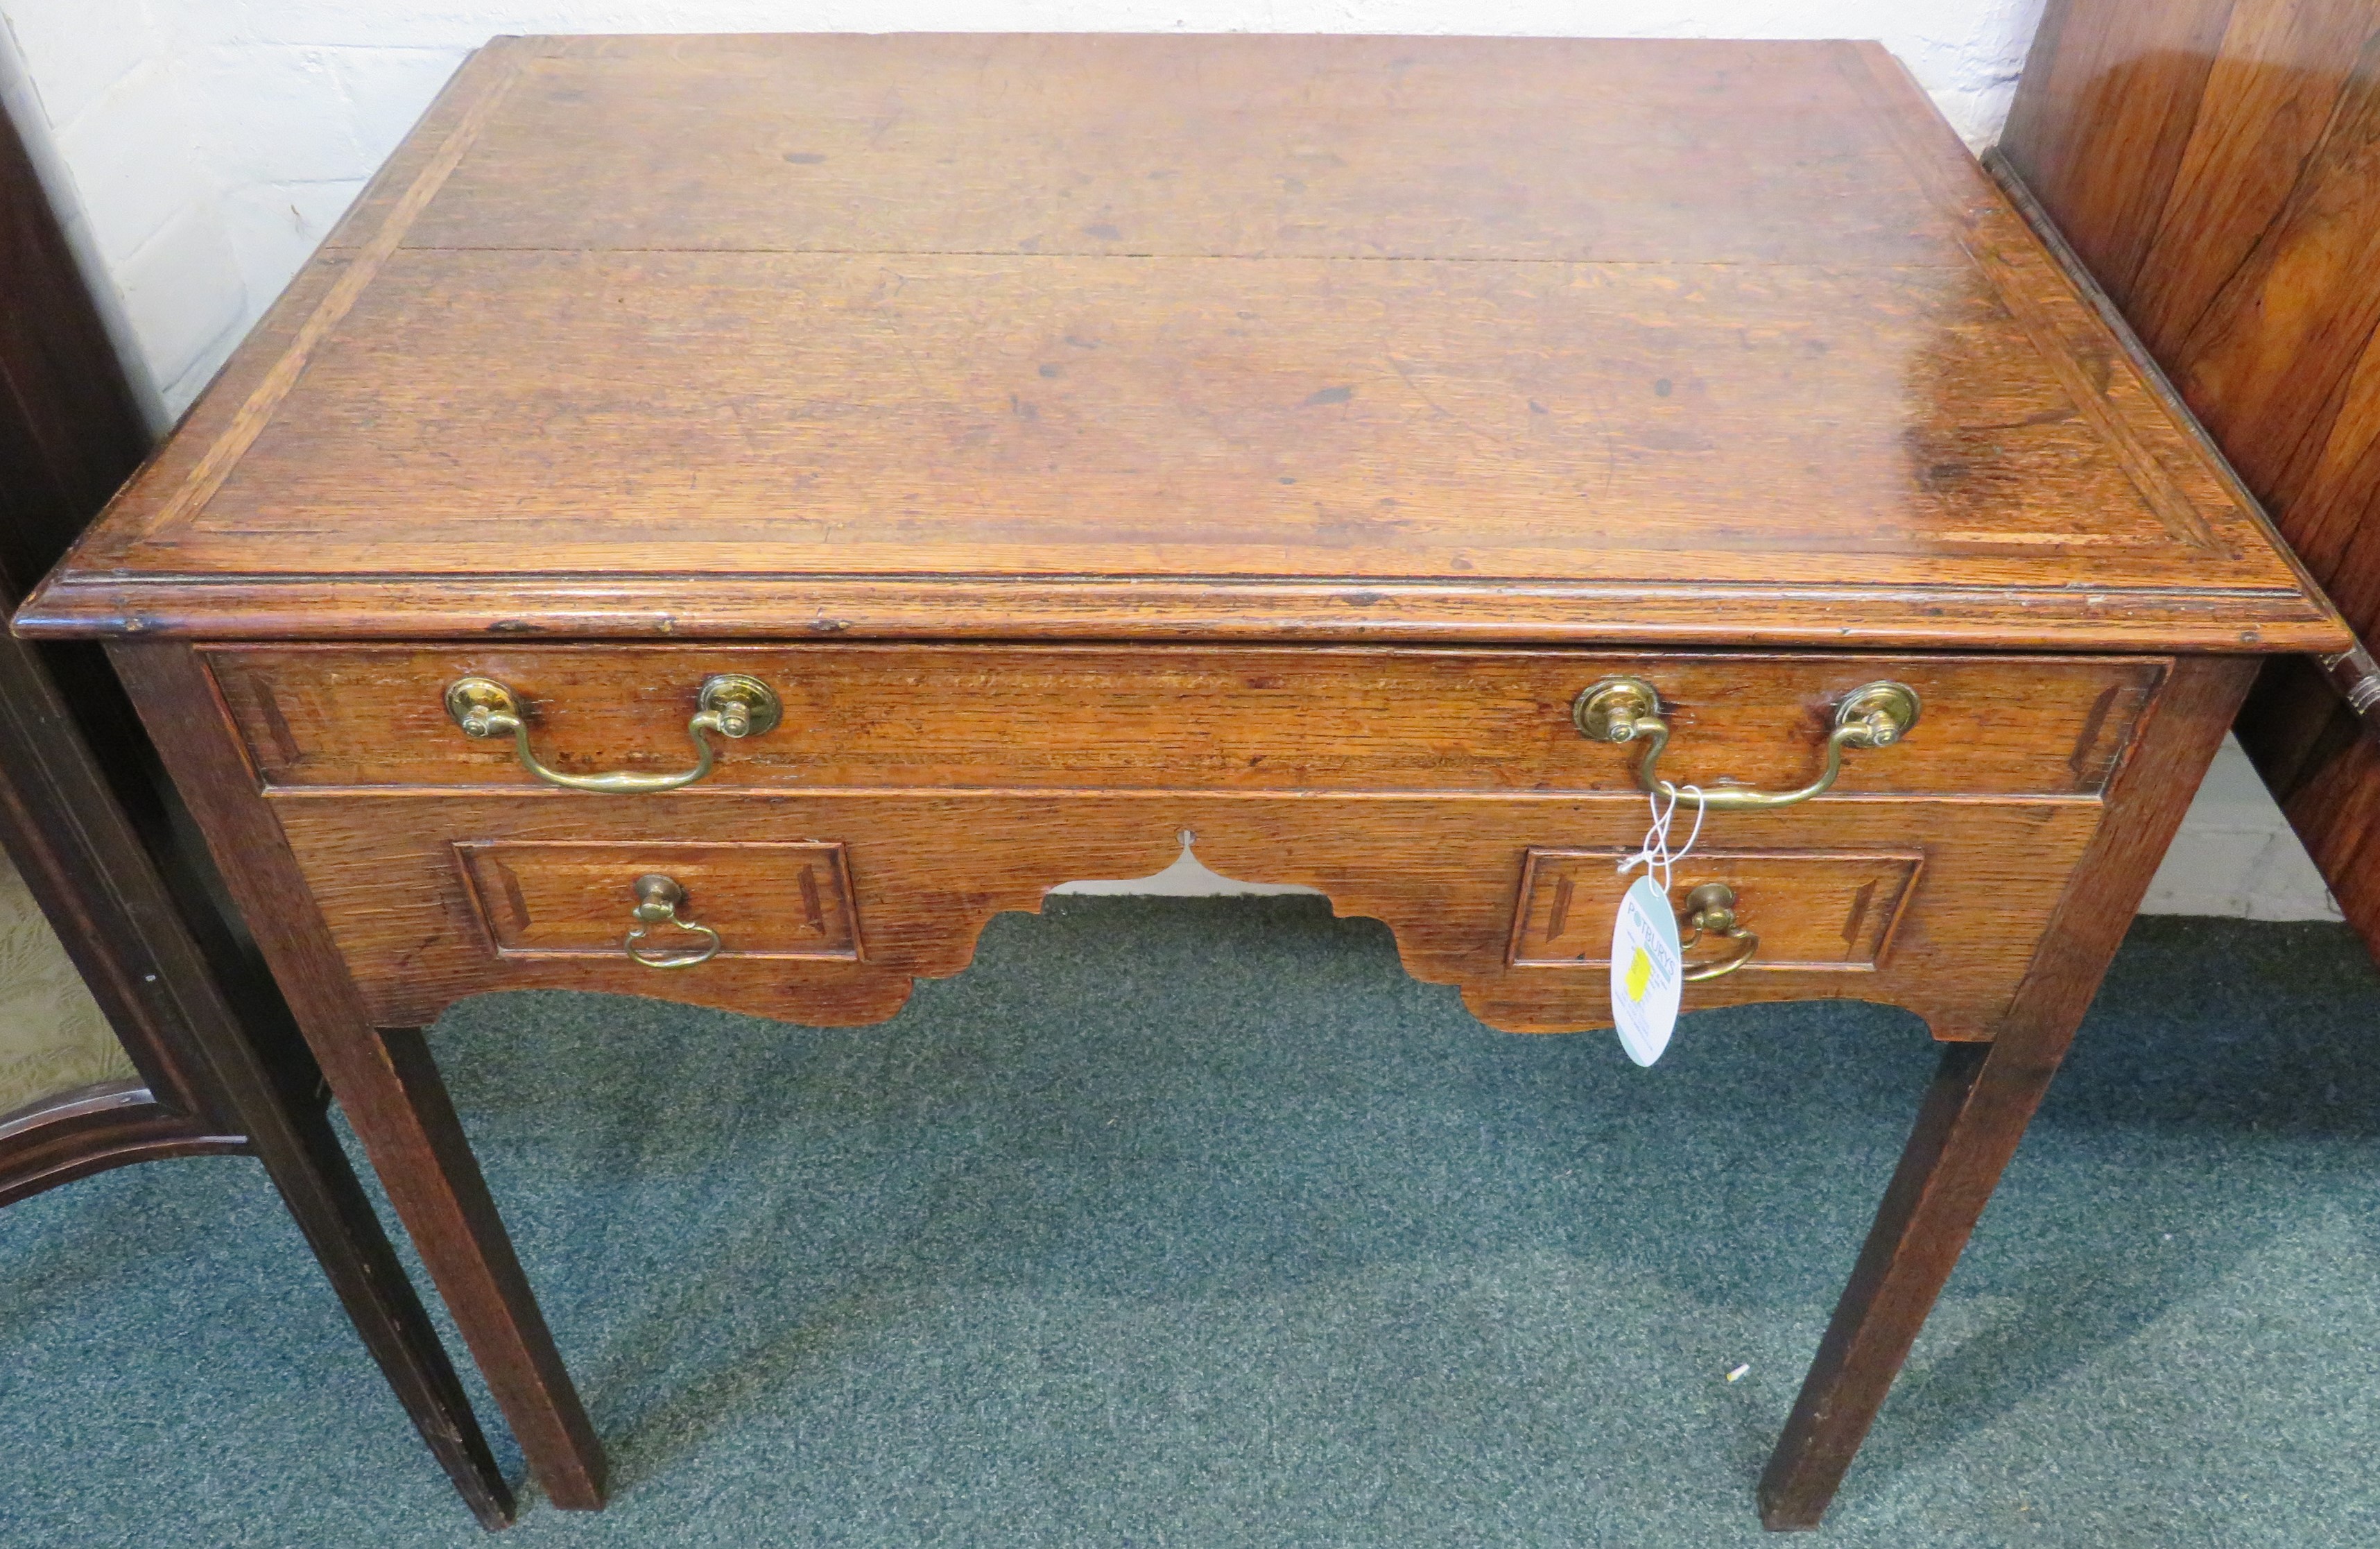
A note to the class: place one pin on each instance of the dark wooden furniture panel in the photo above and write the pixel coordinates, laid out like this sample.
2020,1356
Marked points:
221,1067
2210,161
1097,440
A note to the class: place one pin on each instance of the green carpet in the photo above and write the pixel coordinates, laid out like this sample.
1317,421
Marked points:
1197,1223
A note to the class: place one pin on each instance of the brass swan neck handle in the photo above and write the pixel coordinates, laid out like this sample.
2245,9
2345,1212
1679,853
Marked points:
1628,709
729,704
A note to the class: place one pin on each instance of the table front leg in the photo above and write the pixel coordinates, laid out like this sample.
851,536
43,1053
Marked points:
1984,1094
1968,1126
386,1082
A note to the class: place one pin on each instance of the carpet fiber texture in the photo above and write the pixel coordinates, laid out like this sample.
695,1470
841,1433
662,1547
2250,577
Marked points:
1197,1222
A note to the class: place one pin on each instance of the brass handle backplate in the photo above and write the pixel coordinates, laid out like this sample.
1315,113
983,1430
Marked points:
659,898
1710,909
729,703
1627,710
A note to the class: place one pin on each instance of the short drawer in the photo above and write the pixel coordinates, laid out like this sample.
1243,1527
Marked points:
578,898
827,905
1801,909
1177,718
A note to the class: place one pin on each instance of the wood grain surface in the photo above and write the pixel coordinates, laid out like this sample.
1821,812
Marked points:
2232,212
1180,717
1145,337
1810,908
928,871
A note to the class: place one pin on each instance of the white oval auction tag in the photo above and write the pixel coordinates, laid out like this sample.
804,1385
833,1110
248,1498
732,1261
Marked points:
1644,968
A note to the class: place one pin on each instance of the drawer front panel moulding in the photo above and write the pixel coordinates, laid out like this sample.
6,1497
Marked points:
1831,909
1251,718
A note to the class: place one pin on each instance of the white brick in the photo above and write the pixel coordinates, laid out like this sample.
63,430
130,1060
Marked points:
184,390
274,116
389,88
2284,883
369,23
74,50
2207,871
190,25
2234,854
181,292
130,155
2233,794
274,227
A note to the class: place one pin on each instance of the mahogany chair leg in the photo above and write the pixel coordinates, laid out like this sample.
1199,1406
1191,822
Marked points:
419,1147
321,1191
385,1082
1968,1126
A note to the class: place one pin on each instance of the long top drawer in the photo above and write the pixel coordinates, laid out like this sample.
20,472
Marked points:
1177,717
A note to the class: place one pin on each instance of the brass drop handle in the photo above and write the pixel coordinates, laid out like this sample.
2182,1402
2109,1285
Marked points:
658,900
1710,909
728,703
1627,710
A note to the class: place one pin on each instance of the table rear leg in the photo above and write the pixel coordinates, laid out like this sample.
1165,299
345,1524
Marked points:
322,1192
407,1123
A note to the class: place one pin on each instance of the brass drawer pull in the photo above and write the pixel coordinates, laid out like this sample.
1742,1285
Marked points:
1627,710
658,900
1710,909
729,703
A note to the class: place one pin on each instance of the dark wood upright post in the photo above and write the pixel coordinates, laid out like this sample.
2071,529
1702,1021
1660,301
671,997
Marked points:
220,1068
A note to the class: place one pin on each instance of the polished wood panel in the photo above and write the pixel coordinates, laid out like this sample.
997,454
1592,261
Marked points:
1216,146
1810,908
929,871
1180,717
2135,72
578,900
2233,214
1398,402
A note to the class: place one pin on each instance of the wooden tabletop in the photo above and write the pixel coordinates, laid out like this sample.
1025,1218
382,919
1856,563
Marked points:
1167,337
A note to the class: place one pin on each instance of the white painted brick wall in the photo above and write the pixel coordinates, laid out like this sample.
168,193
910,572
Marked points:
2234,854
198,149
210,143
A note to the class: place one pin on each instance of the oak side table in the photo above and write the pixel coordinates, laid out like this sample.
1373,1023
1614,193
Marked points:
724,516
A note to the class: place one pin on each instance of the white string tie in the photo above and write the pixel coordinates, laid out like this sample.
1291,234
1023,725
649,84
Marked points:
1654,854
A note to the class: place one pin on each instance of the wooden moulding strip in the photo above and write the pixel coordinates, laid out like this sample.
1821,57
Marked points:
248,423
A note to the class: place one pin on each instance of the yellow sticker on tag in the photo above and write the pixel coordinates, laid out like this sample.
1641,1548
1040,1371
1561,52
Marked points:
1647,971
